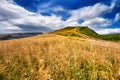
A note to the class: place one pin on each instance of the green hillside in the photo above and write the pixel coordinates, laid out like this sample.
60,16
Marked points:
85,32
78,31
113,37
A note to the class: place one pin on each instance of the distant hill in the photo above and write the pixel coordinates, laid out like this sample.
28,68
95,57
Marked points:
85,32
76,32
16,35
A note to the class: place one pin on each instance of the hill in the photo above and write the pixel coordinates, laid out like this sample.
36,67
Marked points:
85,32
78,31
17,35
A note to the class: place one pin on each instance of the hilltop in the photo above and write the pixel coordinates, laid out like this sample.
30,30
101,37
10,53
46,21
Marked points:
65,54
78,31
85,32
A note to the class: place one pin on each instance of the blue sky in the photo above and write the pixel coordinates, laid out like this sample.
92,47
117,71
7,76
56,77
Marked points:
103,16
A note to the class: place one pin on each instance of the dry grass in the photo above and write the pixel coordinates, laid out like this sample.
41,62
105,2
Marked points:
53,57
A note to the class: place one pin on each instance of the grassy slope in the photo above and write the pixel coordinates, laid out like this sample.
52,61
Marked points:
113,37
85,32
71,32
55,57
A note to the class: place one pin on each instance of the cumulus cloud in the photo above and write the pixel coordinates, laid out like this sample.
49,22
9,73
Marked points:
91,15
89,12
16,18
96,22
108,31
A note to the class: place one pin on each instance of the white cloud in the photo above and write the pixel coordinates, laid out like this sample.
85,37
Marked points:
108,31
16,18
38,20
92,15
13,15
5,26
117,17
89,12
96,22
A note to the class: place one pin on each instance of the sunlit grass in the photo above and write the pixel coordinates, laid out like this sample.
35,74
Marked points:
53,57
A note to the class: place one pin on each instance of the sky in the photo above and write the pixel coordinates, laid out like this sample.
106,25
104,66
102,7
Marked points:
103,16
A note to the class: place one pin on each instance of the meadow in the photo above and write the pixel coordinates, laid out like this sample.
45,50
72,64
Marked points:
55,57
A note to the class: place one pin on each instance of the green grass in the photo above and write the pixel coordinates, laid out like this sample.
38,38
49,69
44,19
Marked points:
88,31
81,31
113,37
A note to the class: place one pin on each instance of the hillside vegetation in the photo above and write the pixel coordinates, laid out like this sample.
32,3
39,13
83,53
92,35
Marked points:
113,37
56,57
85,32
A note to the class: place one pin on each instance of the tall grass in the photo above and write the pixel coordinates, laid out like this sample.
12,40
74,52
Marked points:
52,57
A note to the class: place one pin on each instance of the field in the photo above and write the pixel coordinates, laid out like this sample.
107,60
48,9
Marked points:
55,57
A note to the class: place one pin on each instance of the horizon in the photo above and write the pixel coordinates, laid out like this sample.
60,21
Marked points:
20,16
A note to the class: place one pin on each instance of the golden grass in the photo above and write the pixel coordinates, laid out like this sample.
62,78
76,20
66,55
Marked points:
54,57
